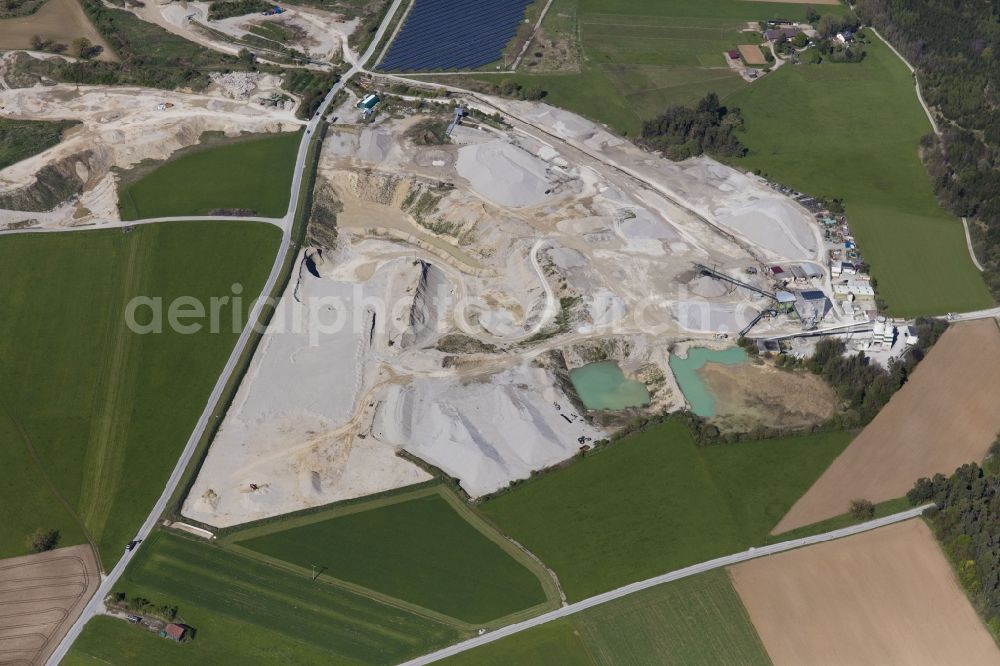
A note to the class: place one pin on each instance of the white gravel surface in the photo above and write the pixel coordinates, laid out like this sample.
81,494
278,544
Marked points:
504,173
486,432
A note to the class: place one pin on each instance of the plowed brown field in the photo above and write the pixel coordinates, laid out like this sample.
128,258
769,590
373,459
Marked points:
945,416
882,597
752,54
40,598
58,21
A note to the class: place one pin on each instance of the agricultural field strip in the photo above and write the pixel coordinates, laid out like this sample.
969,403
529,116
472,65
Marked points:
231,543
631,588
276,221
189,449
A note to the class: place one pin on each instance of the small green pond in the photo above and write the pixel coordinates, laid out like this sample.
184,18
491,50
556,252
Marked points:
686,372
603,385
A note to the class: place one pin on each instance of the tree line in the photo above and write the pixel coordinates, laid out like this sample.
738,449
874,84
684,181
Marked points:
966,521
955,47
682,132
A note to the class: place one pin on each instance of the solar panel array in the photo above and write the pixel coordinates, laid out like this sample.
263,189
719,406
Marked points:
448,35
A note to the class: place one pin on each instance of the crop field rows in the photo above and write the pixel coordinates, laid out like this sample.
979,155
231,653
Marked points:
247,609
443,35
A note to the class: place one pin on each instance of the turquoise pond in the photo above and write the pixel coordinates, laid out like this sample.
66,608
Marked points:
686,372
603,385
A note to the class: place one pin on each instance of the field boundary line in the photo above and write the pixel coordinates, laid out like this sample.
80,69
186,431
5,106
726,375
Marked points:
37,461
527,559
546,579
335,511
319,608
725,561
326,579
111,412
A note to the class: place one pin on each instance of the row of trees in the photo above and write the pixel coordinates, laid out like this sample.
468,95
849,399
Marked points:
955,44
966,521
142,605
866,387
682,132
221,9
81,47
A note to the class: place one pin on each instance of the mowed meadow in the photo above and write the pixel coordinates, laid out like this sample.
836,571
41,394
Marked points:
247,611
93,415
656,501
636,58
374,581
853,131
250,174
425,548
694,621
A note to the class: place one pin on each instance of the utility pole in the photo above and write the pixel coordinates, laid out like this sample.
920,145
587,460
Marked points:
316,572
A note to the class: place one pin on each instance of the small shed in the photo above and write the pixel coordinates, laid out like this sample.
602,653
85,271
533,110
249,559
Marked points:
176,632
369,101
734,54
785,299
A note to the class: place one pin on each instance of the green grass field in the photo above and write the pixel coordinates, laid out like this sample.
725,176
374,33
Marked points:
417,548
656,502
20,139
251,175
698,620
639,57
245,611
94,413
555,643
853,131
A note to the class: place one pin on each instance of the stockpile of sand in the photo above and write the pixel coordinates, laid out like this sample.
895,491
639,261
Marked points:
485,431
289,440
715,318
504,173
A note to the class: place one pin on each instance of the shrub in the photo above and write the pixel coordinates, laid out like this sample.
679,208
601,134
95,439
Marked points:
43,540
862,509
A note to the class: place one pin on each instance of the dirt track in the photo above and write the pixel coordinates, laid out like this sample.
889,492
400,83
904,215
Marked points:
883,597
944,417
40,598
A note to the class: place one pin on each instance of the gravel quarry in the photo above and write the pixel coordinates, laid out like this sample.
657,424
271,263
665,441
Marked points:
469,277
120,127
443,285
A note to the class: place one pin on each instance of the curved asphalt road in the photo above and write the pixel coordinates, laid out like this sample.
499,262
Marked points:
286,227
659,580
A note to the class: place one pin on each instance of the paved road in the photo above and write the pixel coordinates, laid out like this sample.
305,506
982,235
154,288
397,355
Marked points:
599,599
286,244
978,314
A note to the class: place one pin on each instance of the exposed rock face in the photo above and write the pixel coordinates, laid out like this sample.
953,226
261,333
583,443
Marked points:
429,309
54,183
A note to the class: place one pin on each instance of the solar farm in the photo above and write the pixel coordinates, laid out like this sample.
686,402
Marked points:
442,35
